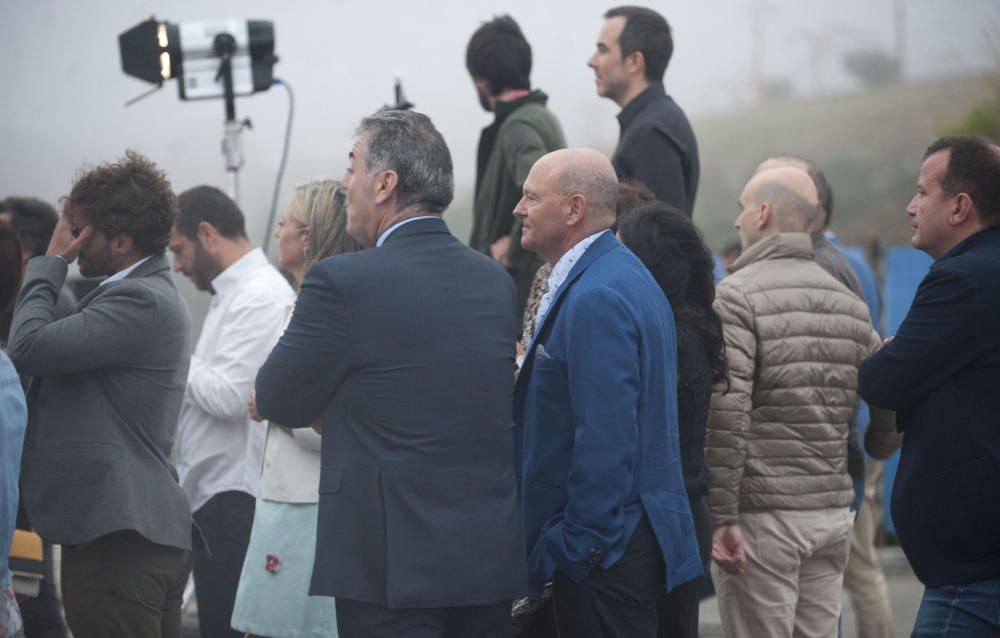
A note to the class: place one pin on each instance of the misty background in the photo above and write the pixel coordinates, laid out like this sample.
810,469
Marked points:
860,86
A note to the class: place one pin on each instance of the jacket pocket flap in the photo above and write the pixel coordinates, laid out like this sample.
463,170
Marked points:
329,480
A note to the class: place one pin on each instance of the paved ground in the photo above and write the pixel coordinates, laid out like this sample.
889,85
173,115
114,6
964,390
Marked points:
904,593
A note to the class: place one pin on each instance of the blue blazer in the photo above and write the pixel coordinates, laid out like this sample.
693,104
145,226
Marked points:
941,374
596,412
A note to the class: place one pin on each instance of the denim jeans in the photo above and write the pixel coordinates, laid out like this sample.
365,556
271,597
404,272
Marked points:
957,611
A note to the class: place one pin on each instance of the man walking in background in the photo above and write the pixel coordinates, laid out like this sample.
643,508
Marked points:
219,447
657,146
499,60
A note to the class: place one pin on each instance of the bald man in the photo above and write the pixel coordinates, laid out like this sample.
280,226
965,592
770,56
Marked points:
864,580
777,435
606,516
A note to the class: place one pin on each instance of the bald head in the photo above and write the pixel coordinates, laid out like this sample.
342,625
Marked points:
791,194
568,195
824,192
776,200
586,172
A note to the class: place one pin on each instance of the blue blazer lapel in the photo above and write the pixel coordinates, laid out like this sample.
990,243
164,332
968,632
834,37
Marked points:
604,243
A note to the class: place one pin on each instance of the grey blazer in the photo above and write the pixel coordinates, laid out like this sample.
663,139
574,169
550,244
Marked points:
107,386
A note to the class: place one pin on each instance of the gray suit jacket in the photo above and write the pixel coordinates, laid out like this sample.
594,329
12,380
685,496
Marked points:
103,404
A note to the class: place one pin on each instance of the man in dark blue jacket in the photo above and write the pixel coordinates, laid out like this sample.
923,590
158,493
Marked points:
406,353
941,373
605,510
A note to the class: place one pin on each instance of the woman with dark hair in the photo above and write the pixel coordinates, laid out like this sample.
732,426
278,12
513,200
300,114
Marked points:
13,421
671,247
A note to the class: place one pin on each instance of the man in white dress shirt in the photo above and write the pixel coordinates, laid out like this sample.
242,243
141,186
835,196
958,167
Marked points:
219,447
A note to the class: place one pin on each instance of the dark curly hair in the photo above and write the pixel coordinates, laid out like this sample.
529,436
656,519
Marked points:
665,240
130,196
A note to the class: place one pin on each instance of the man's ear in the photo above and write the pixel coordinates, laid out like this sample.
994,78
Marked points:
385,184
122,244
961,211
635,63
576,208
765,215
207,234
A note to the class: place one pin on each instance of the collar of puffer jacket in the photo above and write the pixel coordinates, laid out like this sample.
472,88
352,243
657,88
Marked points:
780,246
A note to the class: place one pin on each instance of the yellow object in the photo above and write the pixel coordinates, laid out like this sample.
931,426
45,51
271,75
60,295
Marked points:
26,562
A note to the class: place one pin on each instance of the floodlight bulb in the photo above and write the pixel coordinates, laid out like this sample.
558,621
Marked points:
165,65
161,35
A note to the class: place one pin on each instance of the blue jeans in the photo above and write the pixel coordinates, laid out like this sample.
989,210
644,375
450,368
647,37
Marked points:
957,611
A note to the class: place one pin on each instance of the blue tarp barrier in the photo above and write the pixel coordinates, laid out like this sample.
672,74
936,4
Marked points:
905,268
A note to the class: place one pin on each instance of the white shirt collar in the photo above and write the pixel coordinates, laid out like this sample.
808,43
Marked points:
562,269
388,231
122,274
239,270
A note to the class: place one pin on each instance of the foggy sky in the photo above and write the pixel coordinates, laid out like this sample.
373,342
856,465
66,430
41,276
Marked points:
64,91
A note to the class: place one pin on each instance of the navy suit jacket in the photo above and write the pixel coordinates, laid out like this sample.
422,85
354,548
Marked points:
596,408
941,374
407,352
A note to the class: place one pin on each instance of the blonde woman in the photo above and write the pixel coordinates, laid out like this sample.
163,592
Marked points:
273,596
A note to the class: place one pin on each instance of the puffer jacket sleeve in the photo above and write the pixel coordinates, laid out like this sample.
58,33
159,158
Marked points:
881,438
729,414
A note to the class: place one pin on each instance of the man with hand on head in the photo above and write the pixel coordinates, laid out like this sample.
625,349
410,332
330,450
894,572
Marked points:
108,380
605,509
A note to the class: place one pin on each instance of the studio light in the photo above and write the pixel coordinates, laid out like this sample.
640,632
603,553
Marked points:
215,59
193,53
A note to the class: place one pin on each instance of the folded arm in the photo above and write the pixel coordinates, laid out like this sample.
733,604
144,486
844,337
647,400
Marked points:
311,359
938,337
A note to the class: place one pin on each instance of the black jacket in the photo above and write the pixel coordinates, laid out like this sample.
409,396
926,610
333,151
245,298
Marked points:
657,147
941,373
407,352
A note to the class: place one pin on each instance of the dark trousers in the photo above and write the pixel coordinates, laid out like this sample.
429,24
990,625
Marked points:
42,614
677,611
367,620
619,601
224,523
123,585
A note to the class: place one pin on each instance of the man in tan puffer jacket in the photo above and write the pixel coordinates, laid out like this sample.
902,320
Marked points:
777,434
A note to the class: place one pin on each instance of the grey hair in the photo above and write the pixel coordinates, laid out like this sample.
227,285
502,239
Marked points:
321,210
794,212
407,142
